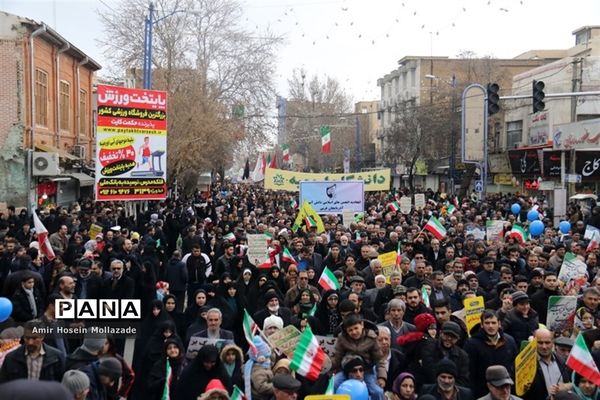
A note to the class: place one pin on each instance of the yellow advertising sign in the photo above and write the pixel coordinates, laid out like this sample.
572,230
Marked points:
388,262
503,179
279,179
525,368
474,306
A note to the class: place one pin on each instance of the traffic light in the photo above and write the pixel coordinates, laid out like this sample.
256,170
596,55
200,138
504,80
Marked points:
538,96
493,99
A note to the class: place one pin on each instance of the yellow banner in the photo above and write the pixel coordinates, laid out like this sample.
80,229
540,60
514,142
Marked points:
279,179
94,230
474,306
307,211
525,367
388,262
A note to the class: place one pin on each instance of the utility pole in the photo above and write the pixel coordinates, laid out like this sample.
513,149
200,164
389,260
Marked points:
148,24
575,85
358,146
452,163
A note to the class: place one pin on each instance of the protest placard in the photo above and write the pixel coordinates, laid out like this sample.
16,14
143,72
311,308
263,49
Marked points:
493,229
405,204
525,367
474,306
94,230
285,340
589,232
347,217
257,248
388,263
571,268
476,230
561,310
419,201
197,342
327,343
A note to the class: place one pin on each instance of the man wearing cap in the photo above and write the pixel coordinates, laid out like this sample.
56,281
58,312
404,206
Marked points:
87,285
77,383
285,387
563,346
489,277
539,300
445,347
104,376
522,320
446,386
499,384
87,353
551,373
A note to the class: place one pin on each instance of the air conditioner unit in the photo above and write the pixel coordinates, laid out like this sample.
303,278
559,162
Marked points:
78,151
44,164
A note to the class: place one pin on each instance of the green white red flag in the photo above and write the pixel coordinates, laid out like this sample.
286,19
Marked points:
394,206
329,390
42,238
436,228
250,329
309,357
288,257
229,237
325,139
593,241
166,394
398,254
581,361
310,222
328,281
237,394
519,233
285,150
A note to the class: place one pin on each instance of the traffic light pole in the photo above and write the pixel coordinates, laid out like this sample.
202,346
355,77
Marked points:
550,95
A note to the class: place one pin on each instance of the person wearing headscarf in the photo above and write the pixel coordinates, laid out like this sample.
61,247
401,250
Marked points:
173,354
232,358
171,307
196,376
199,300
328,313
404,387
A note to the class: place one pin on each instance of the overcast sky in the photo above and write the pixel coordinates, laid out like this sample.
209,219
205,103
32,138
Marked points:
359,41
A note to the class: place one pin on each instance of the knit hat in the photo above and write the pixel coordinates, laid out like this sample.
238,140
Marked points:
214,386
446,366
93,345
519,297
110,367
273,320
422,321
76,381
350,361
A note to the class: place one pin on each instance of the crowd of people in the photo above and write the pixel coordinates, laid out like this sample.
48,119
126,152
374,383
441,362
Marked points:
402,332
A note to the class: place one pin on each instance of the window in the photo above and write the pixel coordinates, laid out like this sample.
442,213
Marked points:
582,37
83,115
41,97
514,131
65,103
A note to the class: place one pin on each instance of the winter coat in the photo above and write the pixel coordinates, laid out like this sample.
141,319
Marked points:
518,327
433,353
463,393
176,274
195,377
237,377
97,390
262,382
22,311
482,354
15,365
366,347
79,359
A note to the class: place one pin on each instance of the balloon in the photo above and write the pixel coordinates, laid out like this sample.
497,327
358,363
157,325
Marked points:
515,208
536,228
5,308
356,389
533,215
565,227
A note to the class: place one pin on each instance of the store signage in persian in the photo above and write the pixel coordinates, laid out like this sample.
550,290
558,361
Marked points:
279,179
577,135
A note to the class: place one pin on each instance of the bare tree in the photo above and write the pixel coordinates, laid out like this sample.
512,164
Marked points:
219,75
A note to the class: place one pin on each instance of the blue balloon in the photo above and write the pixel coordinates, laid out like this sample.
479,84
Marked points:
515,208
533,215
356,389
565,227
6,308
536,228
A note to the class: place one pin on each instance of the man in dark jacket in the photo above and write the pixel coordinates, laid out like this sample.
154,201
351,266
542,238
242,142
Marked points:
551,368
396,361
118,286
522,320
445,347
198,269
176,275
34,359
103,375
85,354
414,305
489,346
446,386
27,300
87,285
539,300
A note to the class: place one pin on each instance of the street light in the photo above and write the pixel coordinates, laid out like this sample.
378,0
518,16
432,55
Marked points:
148,25
452,161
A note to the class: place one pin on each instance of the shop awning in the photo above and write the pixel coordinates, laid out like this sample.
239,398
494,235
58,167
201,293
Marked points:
84,179
61,153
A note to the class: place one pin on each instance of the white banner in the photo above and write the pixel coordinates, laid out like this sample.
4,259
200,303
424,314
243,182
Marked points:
333,197
577,135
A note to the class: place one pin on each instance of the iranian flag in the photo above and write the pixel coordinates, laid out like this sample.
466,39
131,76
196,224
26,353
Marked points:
436,228
237,394
267,264
329,390
269,236
42,238
229,237
451,209
285,149
293,203
166,394
580,360
325,139
288,257
425,296
250,329
328,281
273,163
593,241
309,357
398,254
519,233
310,222
394,206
